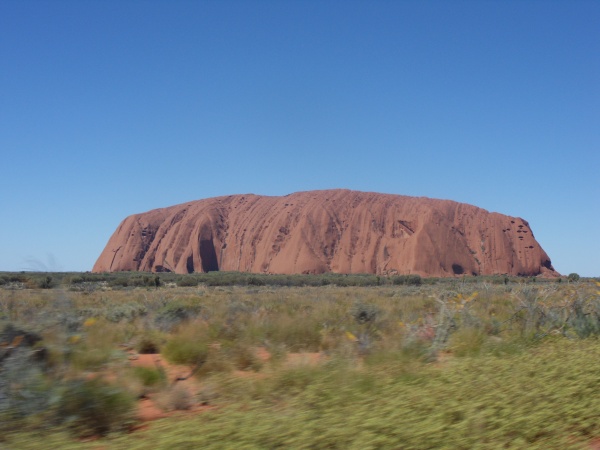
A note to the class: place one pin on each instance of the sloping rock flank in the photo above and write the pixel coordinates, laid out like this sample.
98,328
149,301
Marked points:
325,231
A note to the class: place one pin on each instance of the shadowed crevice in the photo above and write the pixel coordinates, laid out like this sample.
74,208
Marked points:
457,269
208,256
189,264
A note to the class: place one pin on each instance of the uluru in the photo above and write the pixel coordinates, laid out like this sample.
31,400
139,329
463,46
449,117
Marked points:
314,232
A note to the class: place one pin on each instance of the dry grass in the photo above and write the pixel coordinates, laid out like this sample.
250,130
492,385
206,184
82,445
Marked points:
358,344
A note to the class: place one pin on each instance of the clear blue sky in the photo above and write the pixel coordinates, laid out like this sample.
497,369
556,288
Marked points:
109,108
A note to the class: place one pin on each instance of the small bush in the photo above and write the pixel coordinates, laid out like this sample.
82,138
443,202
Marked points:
408,280
573,277
245,358
208,393
174,313
45,283
364,313
148,344
119,282
125,311
294,380
96,346
175,398
94,407
183,350
145,281
149,376
24,390
187,281
297,334
466,341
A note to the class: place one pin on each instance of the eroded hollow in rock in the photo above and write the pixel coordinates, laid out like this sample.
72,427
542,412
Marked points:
457,269
208,255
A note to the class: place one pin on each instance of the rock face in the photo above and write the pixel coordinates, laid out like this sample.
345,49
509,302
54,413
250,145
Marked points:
325,231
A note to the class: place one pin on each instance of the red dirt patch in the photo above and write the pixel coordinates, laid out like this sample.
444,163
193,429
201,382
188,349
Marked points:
301,359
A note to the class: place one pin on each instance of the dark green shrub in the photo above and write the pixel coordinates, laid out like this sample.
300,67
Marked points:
147,345
573,277
414,280
119,282
408,280
295,334
245,358
95,408
256,281
125,311
183,349
24,388
86,278
174,313
15,278
145,281
584,317
150,376
187,281
296,379
364,313
41,282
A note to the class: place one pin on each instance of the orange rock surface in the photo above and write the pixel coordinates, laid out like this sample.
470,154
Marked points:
325,231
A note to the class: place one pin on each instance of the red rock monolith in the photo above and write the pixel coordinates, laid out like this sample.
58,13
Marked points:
314,232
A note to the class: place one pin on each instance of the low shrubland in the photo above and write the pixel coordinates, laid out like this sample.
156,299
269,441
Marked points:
455,364
86,282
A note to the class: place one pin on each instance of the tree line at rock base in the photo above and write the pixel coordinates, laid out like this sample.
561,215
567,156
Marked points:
119,280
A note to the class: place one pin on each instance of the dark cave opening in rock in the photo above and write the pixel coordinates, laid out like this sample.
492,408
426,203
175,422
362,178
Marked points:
457,269
208,256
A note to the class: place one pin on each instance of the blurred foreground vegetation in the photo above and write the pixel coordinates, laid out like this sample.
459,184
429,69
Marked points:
405,362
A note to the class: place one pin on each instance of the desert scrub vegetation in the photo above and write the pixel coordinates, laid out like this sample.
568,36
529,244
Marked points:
545,398
128,280
527,401
455,363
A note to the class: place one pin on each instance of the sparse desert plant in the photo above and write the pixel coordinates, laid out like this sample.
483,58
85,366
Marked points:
277,354
445,322
94,407
176,398
174,313
150,376
297,333
96,345
147,346
24,388
367,326
245,357
190,345
410,280
466,341
187,281
125,312
149,341
400,328
573,277
294,379
45,282
208,393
